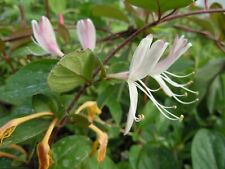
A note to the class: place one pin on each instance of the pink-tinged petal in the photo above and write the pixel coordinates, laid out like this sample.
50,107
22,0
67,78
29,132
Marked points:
47,29
150,59
180,46
86,33
163,85
45,36
140,53
133,106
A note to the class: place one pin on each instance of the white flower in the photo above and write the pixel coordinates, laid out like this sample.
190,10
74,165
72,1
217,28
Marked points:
145,62
45,36
86,33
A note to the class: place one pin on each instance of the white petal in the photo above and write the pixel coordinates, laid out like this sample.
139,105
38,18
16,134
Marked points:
37,35
140,53
163,85
180,46
150,59
133,106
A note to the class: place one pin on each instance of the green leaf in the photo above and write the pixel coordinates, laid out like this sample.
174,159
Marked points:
63,32
156,158
218,20
79,120
212,94
115,13
92,163
2,46
212,69
28,81
164,5
134,154
208,150
43,103
26,131
115,108
57,6
72,70
70,151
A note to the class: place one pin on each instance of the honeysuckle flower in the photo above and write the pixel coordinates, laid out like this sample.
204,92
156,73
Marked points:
145,62
102,139
45,36
92,109
43,148
86,33
7,129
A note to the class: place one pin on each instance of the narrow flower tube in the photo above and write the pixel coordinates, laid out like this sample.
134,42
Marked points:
102,139
86,33
45,36
7,129
92,109
43,148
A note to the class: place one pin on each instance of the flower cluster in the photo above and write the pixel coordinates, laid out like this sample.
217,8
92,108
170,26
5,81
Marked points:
45,36
146,62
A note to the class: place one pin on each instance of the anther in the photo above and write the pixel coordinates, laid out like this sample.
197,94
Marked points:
181,117
190,82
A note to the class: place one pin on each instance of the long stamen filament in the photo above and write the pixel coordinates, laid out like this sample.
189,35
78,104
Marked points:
183,102
179,76
165,77
161,108
149,91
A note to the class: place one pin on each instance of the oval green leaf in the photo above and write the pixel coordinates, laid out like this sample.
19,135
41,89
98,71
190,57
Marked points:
72,70
70,151
28,81
109,11
208,150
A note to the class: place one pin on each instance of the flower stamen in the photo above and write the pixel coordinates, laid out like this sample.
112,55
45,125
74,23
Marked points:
161,108
166,78
179,76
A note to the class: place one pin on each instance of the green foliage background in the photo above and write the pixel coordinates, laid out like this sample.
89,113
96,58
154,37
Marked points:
154,143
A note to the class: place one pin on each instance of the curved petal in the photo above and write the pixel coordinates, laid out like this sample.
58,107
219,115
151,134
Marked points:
133,106
163,85
36,32
180,46
47,30
140,53
149,61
